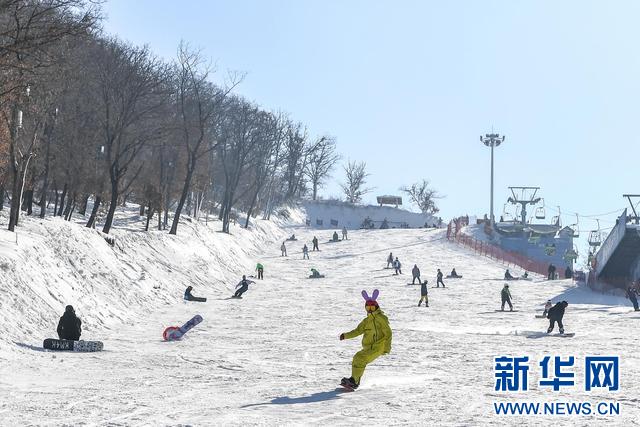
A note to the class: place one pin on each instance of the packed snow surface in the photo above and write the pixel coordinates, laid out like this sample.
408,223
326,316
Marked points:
274,357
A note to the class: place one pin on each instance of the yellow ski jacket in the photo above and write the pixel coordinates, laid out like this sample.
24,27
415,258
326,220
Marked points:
376,330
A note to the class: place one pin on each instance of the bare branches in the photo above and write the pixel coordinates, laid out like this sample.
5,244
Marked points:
423,196
356,178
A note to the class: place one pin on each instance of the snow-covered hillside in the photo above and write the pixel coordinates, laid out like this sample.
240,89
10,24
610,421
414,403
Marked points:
273,357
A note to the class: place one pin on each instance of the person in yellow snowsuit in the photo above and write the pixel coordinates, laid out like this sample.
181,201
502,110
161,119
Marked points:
376,339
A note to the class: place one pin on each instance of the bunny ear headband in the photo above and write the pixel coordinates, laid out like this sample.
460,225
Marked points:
373,297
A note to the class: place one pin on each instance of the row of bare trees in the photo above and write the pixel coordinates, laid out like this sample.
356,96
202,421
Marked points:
91,122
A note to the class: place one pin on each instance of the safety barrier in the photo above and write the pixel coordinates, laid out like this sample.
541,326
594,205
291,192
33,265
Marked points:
492,251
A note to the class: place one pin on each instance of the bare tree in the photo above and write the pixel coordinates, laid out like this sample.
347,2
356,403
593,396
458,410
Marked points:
356,178
423,196
131,86
322,159
198,101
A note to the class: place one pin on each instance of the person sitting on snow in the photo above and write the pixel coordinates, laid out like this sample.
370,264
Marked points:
508,276
335,236
376,339
70,325
315,274
454,273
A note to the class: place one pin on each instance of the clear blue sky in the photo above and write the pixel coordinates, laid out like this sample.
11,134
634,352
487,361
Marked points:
408,87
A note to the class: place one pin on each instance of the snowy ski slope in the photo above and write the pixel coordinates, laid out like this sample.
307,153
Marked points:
274,358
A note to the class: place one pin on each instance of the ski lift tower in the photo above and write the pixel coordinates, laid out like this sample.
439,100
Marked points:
522,200
633,207
492,140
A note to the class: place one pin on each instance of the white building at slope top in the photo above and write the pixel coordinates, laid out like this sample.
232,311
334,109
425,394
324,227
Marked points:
332,214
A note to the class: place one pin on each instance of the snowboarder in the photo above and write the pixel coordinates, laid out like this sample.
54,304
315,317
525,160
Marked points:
415,272
315,244
547,307
344,233
439,279
70,325
305,252
397,266
376,339
315,274
292,238
390,259
260,270
243,285
633,298
552,272
506,297
555,314
454,274
424,294
525,275
283,250
335,237
508,276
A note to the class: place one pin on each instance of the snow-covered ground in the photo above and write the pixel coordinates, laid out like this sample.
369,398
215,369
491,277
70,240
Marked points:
274,357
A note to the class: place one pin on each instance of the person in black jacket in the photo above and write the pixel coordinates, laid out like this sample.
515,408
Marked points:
631,294
69,326
552,272
439,279
555,314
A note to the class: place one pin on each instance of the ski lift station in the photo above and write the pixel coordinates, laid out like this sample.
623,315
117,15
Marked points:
617,260
524,228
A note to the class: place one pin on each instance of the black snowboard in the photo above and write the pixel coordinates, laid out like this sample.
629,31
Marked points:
197,299
68,345
453,277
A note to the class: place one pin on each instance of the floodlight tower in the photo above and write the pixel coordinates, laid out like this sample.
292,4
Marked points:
492,140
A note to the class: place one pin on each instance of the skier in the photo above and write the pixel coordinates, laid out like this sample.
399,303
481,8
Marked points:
439,279
547,307
305,252
376,339
70,325
424,293
397,266
508,276
632,296
315,244
260,270
390,259
416,274
555,314
335,237
506,297
344,233
315,274
552,272
243,285
283,250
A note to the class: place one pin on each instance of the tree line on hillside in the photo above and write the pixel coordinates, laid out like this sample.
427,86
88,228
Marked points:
88,117
89,122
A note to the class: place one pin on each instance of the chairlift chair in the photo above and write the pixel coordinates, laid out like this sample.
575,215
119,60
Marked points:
595,238
540,213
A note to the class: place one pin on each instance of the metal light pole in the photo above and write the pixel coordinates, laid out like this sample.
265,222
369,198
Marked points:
492,140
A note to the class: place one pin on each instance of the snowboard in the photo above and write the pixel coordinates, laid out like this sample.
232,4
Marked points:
317,277
69,345
540,316
197,299
453,277
507,311
569,335
235,297
440,287
175,333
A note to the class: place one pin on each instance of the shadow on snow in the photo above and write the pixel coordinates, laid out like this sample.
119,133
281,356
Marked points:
321,396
